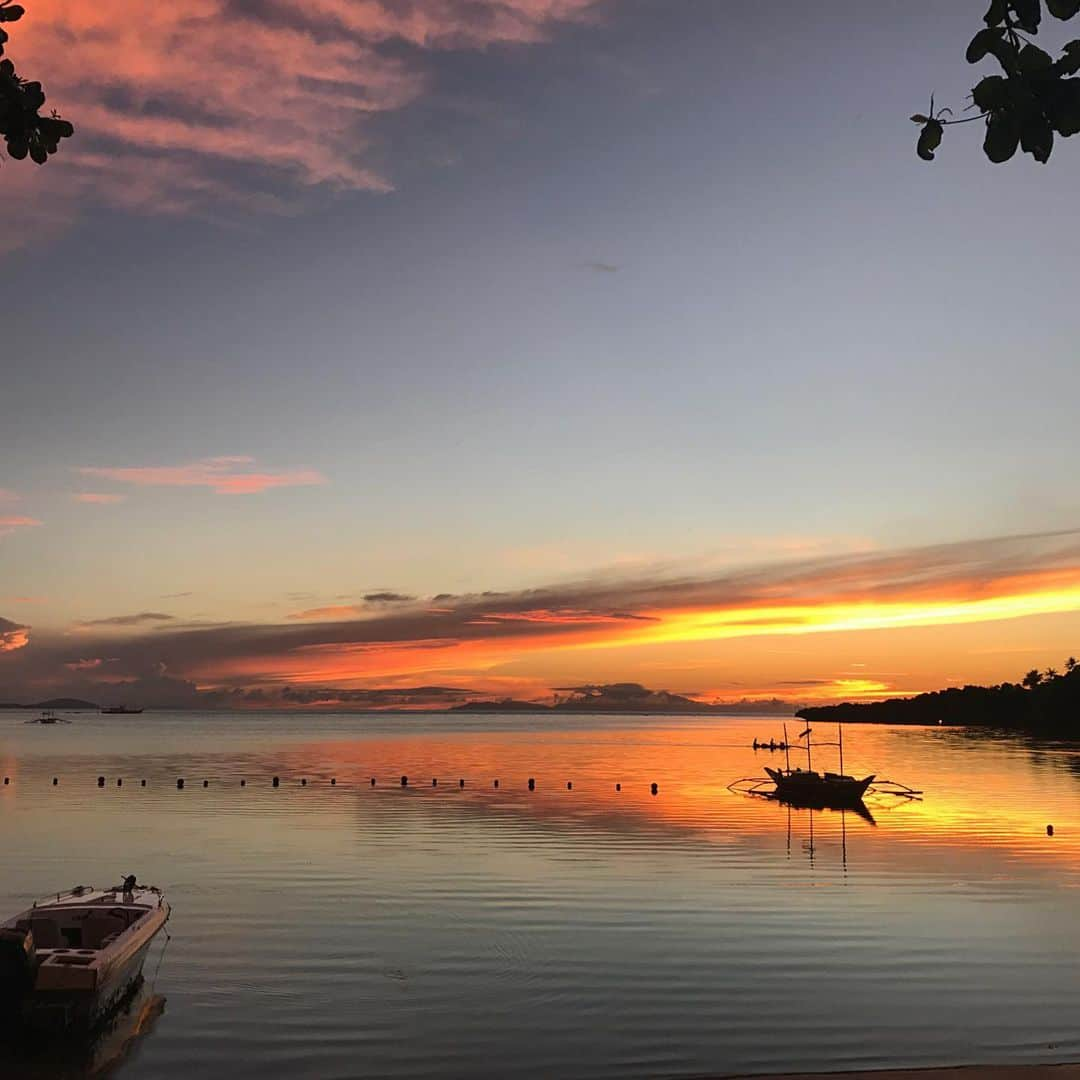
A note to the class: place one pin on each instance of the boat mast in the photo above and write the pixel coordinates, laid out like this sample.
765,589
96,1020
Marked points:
809,763
840,740
787,751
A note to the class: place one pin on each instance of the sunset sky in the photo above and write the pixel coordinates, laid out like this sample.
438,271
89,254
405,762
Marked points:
493,346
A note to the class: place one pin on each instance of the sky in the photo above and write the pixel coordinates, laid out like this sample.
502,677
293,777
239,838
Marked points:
410,351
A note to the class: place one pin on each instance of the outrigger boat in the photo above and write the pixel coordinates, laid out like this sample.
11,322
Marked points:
69,960
805,787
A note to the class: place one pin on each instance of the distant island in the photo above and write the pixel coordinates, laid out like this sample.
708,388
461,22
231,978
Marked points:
627,698
1044,703
68,703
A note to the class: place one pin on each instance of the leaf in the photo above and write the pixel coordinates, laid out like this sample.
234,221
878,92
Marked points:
1033,60
992,93
918,118
18,148
1063,108
981,44
1037,137
993,42
997,13
1028,13
929,140
1063,9
12,12
1002,136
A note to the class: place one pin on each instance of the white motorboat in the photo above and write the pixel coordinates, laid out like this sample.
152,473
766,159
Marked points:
70,959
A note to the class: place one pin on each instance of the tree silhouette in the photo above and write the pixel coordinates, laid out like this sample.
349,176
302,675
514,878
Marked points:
1070,664
1035,98
1032,679
1051,673
26,132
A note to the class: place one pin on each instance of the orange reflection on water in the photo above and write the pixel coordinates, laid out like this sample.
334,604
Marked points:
985,801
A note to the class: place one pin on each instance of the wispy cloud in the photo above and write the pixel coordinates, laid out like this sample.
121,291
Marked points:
8,496
98,498
465,638
11,522
222,475
211,102
137,619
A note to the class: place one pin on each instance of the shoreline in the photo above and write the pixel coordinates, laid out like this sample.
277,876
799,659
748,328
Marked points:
1060,1071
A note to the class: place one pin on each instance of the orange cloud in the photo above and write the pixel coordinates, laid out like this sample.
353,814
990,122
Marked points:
168,98
836,627
223,475
10,523
13,636
98,498
347,611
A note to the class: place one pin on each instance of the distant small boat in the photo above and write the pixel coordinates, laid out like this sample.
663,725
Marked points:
68,961
48,717
120,710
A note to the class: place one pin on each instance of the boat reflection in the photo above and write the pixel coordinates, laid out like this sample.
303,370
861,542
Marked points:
96,1055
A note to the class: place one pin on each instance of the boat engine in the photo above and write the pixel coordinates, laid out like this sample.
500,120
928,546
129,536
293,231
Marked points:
16,971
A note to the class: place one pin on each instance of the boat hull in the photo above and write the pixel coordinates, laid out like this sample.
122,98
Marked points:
812,788
83,1010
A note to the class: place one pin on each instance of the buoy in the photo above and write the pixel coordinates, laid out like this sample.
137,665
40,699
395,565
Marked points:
461,783
303,783
496,783
142,783
333,781
55,781
243,783
373,781
180,784
276,781
434,782
569,785
532,784
119,782
1049,830
404,781
654,789
618,787
7,780
101,781
206,783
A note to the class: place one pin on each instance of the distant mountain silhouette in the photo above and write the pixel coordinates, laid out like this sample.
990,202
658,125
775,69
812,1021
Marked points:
69,703
626,698
1045,704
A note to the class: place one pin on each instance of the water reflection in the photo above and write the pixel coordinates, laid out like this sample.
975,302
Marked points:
427,931
91,1057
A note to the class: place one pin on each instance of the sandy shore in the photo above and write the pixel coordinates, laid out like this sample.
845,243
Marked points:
964,1072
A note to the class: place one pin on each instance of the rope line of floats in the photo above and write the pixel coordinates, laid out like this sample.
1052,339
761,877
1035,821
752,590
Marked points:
276,781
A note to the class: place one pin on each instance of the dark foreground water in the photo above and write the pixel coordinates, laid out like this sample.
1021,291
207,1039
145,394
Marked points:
326,931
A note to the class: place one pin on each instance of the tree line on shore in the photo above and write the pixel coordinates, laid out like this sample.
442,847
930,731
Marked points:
1047,702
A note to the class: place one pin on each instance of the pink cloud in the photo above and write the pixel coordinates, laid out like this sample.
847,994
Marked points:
86,665
223,475
10,523
163,95
98,498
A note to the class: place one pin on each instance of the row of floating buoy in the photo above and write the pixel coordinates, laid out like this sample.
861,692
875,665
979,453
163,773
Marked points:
772,744
276,782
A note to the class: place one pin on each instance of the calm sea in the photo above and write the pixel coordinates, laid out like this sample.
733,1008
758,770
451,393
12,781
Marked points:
327,931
